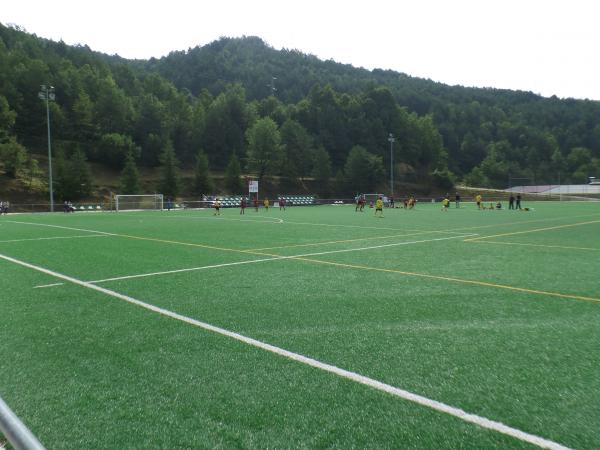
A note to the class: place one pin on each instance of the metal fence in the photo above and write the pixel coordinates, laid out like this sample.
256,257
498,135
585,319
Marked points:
45,207
15,431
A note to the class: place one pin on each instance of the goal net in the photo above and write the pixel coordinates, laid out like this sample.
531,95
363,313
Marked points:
372,198
138,202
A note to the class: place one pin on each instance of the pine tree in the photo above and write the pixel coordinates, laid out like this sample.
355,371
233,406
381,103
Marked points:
61,182
13,155
202,182
80,176
33,172
130,177
233,174
170,182
322,170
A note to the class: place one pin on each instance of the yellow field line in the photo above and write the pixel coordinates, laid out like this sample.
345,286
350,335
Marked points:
188,244
509,224
450,231
354,266
565,247
252,251
377,269
532,231
417,232
344,241
399,272
455,280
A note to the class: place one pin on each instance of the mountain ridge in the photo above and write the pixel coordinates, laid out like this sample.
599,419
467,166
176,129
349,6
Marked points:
209,97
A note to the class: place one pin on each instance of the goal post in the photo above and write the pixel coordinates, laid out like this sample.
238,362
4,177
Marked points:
371,198
138,202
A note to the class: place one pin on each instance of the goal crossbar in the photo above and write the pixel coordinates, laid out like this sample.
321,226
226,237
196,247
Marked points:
125,202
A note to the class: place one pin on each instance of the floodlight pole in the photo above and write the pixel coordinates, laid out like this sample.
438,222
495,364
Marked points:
391,140
47,94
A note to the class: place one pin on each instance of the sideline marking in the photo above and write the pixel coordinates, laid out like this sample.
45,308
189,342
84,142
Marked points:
55,237
270,258
564,247
533,231
353,376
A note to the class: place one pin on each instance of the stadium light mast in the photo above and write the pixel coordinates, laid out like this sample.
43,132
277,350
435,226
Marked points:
391,140
47,94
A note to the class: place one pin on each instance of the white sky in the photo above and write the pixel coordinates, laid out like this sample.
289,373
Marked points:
550,47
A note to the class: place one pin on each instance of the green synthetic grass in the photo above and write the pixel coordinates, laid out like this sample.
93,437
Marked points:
437,318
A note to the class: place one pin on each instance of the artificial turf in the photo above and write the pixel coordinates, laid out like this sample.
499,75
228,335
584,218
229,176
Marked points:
494,312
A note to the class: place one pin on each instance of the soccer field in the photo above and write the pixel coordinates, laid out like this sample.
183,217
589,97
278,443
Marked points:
316,327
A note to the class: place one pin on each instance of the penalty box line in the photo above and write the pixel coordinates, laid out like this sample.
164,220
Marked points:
346,374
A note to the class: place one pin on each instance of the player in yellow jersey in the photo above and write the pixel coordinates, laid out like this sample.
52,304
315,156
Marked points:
266,204
478,200
445,204
379,207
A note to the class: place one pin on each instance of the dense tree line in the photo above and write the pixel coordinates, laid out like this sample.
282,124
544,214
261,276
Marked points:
212,108
490,135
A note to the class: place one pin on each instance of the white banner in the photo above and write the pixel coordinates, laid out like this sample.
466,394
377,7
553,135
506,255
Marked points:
253,186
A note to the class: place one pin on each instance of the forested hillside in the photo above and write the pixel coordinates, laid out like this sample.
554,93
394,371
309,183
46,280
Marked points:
497,132
283,116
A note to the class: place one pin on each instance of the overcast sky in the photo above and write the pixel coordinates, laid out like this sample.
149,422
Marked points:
550,47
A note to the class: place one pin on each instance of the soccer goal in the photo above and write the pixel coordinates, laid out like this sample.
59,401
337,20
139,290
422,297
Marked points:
138,202
371,198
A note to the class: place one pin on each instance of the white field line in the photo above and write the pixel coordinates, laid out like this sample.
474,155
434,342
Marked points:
271,219
63,227
41,286
55,237
191,269
451,231
252,261
361,379
287,222
396,244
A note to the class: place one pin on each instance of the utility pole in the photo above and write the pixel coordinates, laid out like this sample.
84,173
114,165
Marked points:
47,94
391,140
